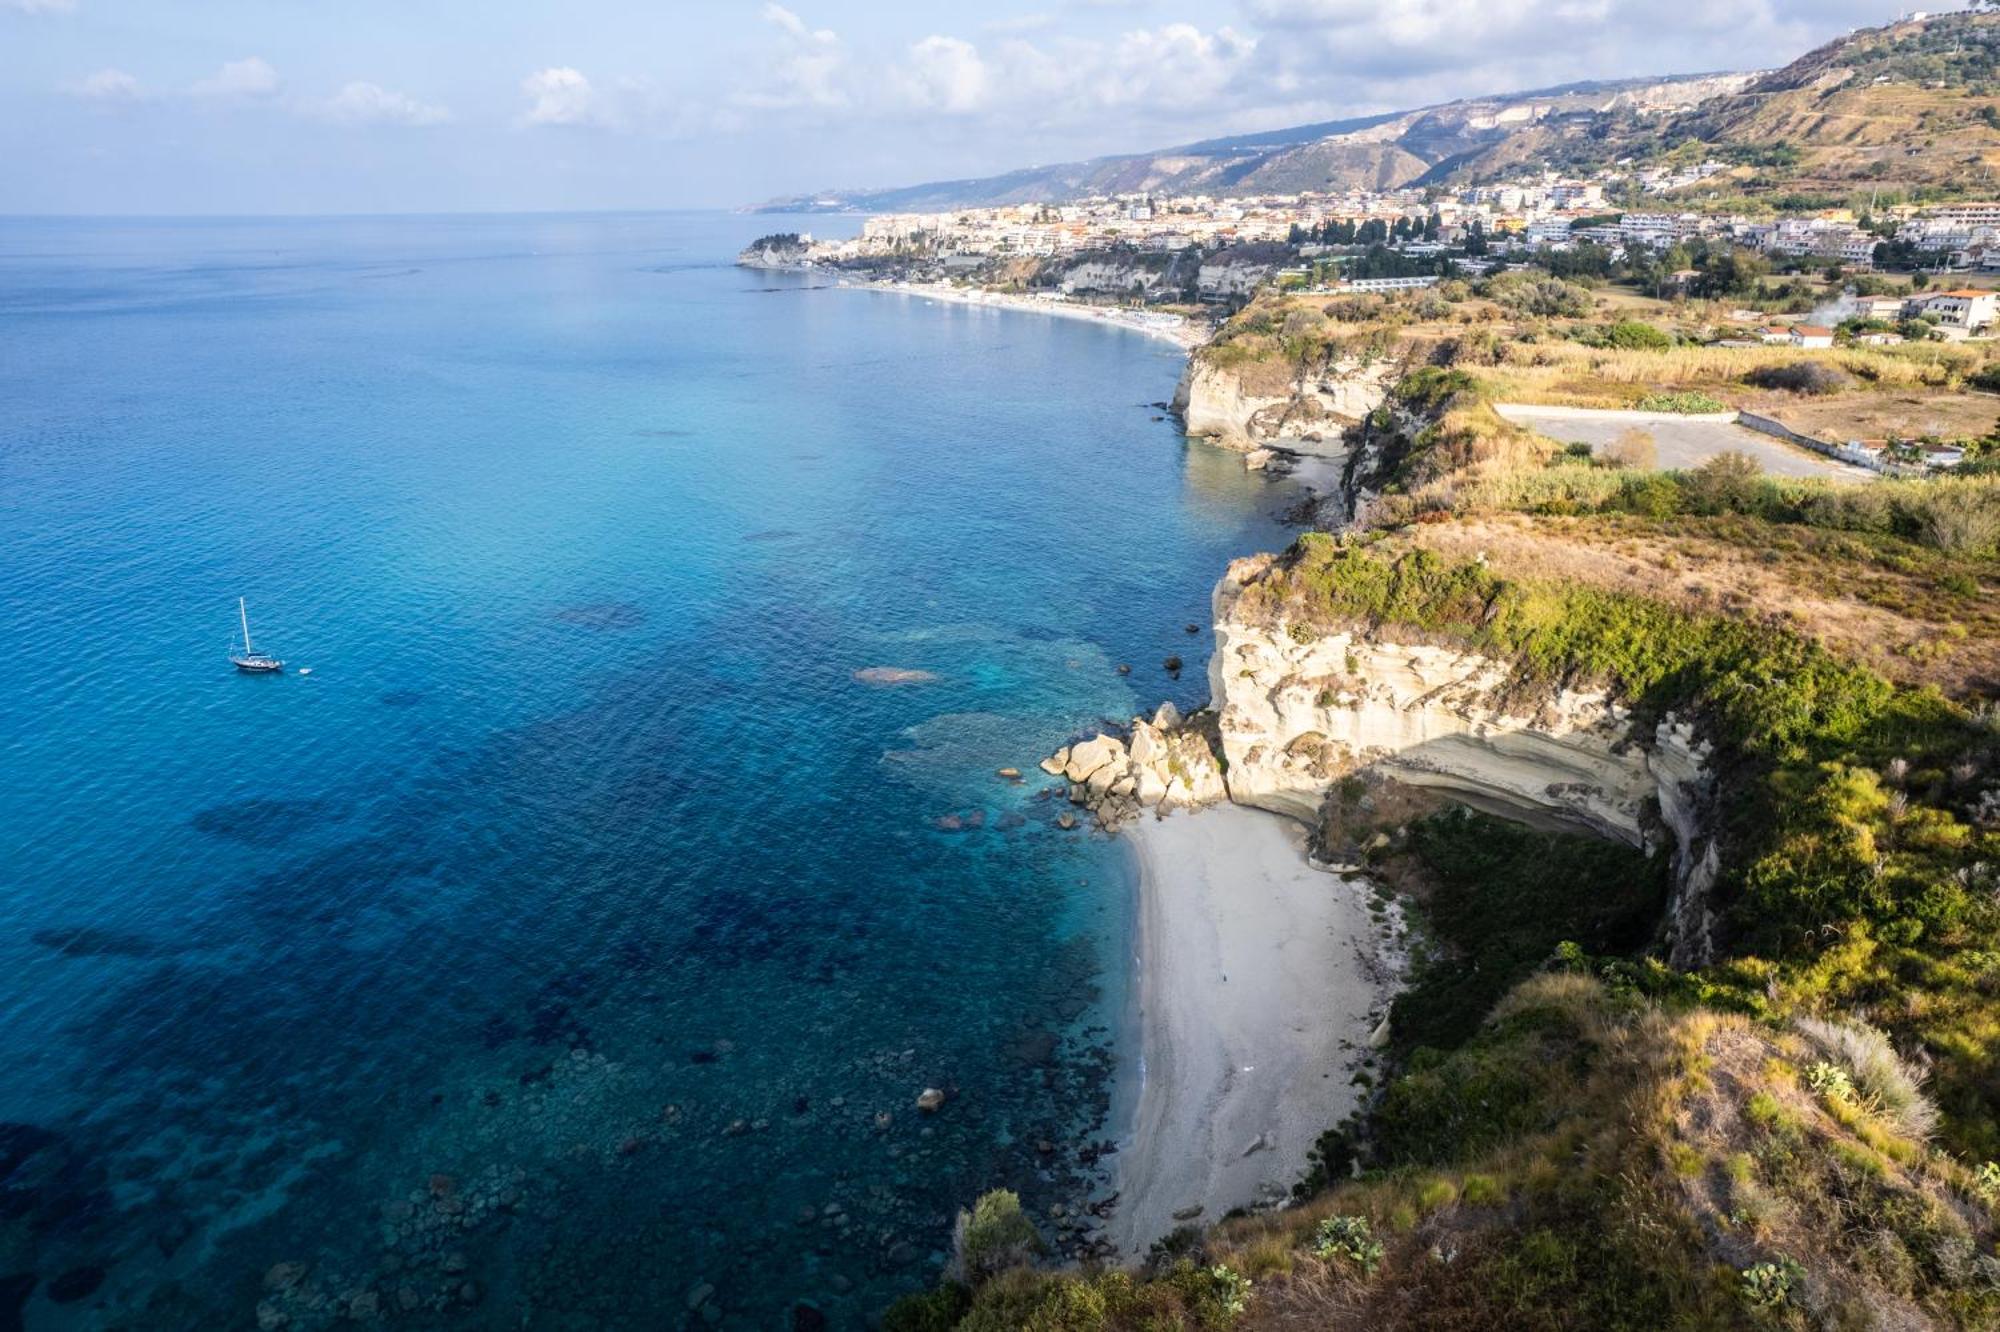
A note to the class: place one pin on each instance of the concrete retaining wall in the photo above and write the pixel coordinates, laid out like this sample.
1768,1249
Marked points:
1509,410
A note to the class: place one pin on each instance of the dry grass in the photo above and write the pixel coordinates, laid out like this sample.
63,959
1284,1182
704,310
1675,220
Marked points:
1898,623
1702,1132
1571,374
1880,415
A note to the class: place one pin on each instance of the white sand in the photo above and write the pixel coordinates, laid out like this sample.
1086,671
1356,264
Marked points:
1183,333
1259,982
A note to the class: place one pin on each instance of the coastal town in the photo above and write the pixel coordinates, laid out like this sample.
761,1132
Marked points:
1496,222
1813,282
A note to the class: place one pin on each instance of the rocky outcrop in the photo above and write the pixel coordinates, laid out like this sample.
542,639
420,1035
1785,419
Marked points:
1298,709
1215,403
781,250
1167,762
1247,407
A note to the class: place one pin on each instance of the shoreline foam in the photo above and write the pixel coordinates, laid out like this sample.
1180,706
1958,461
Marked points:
1177,329
1260,979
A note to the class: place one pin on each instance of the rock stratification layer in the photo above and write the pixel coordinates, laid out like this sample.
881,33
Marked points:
1247,407
1300,707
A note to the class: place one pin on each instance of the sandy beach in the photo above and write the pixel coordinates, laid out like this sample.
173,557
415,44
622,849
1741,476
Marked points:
1259,981
1183,333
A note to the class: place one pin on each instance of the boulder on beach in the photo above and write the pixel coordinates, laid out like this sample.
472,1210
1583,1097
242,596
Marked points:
892,675
1091,755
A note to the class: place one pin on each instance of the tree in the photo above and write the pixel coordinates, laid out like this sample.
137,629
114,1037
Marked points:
1726,483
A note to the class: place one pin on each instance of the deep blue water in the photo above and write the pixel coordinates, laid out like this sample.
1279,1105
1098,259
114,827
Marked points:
548,952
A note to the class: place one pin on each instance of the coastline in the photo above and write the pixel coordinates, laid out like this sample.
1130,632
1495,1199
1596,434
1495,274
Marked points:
1259,981
1256,981
1179,330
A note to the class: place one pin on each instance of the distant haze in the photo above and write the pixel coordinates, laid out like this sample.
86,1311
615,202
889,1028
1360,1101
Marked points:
254,106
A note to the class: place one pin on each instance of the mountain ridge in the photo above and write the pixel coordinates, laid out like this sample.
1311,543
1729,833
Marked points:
1347,153
1911,106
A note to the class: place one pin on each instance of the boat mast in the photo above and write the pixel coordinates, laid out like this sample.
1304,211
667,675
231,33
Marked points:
244,611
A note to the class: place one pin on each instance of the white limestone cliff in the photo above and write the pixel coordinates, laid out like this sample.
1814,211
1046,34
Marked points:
1297,710
1247,407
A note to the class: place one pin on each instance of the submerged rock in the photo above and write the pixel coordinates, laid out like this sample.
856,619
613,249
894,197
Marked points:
76,1284
930,1100
892,675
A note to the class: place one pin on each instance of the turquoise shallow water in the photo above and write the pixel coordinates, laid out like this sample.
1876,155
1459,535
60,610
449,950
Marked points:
548,953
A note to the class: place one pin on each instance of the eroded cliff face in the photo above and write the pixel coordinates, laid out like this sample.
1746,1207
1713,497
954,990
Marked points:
1249,407
1297,710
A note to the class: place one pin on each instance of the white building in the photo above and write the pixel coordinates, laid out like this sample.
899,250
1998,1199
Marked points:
1968,309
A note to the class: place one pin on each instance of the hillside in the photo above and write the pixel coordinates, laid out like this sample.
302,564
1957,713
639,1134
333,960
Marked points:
1738,1071
1909,107
1913,107
1377,152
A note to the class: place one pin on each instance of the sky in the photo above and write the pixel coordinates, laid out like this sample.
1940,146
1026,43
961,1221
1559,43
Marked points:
369,106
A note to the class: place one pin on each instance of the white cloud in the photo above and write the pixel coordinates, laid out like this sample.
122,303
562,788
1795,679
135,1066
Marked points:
250,79
947,74
562,96
810,68
370,104
1035,77
1423,51
1176,64
106,85
1063,84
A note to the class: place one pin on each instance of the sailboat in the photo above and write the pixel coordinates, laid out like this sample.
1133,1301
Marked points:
250,659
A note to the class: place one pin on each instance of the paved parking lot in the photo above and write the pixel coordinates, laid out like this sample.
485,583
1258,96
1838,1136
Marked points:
1682,444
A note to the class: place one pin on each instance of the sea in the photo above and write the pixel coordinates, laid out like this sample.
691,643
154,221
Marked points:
564,938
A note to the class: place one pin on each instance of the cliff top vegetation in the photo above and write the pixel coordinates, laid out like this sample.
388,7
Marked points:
1802,1131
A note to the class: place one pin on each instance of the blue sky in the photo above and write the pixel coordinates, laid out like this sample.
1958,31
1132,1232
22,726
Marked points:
288,106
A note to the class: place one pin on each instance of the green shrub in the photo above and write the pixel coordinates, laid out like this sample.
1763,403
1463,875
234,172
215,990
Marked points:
1830,1081
1504,897
994,1236
1726,483
1771,1285
1867,1066
1650,495
1689,403
933,1311
1348,1239
1635,336
1216,1295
